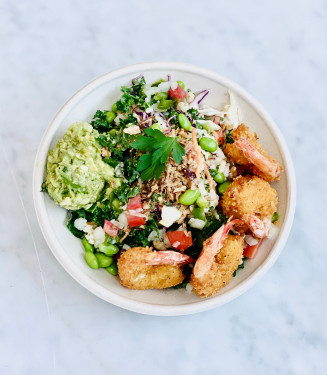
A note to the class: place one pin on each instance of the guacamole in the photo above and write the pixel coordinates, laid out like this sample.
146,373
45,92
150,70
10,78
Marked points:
75,172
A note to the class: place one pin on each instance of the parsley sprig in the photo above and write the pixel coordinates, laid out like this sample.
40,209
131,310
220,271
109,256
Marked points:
158,148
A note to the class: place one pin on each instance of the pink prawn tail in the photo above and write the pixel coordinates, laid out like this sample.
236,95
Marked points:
260,228
157,258
265,165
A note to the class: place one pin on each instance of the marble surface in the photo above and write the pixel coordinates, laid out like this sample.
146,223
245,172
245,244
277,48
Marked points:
277,51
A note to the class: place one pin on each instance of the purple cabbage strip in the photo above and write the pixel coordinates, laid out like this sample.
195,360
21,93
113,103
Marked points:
168,123
199,97
158,212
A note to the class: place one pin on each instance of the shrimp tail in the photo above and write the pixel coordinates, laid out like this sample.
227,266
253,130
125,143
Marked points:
259,228
157,258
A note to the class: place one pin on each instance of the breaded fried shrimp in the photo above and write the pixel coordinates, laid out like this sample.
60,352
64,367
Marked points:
135,272
247,151
250,199
222,268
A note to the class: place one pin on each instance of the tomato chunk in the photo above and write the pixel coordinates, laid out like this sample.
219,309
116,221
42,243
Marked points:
110,228
135,221
134,203
178,93
252,251
180,240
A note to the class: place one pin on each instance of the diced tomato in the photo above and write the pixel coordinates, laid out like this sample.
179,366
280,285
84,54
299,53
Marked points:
252,251
134,203
110,228
180,240
178,93
135,221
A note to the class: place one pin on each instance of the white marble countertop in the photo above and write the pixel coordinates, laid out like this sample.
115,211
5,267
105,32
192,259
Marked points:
277,51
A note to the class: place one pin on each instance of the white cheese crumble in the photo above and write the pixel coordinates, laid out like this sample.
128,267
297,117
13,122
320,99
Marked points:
80,223
135,129
169,215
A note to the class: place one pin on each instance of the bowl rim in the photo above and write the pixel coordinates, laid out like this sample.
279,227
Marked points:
124,302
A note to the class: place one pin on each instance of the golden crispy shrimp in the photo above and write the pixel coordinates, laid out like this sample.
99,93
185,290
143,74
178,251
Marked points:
215,267
246,151
142,268
268,168
252,200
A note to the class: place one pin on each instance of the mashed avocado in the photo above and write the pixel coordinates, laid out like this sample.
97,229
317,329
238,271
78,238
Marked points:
75,173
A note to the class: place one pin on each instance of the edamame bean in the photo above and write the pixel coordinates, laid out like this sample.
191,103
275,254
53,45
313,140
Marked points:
207,127
113,132
275,217
113,269
202,202
156,126
198,213
165,104
108,249
157,83
115,204
91,260
110,116
189,197
87,245
219,177
208,144
114,108
160,96
223,187
181,83
184,122
103,260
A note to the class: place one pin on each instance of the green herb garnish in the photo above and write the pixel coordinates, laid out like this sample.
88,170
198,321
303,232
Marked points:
275,217
158,148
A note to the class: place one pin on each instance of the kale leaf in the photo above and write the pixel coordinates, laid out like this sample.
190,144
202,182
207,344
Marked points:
241,266
229,138
125,191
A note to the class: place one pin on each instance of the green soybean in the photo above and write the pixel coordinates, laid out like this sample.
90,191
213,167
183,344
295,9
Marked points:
184,122
207,127
103,260
208,144
157,83
219,177
156,126
113,132
91,260
115,204
87,246
181,83
110,116
223,187
198,213
165,104
275,217
108,249
189,197
202,202
160,96
113,269
114,108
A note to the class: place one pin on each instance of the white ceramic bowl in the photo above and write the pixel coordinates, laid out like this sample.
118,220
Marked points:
100,94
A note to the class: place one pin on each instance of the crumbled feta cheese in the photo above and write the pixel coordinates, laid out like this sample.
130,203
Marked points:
80,223
196,223
162,87
154,236
250,240
135,129
173,85
189,96
99,236
182,106
126,247
169,215
189,288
